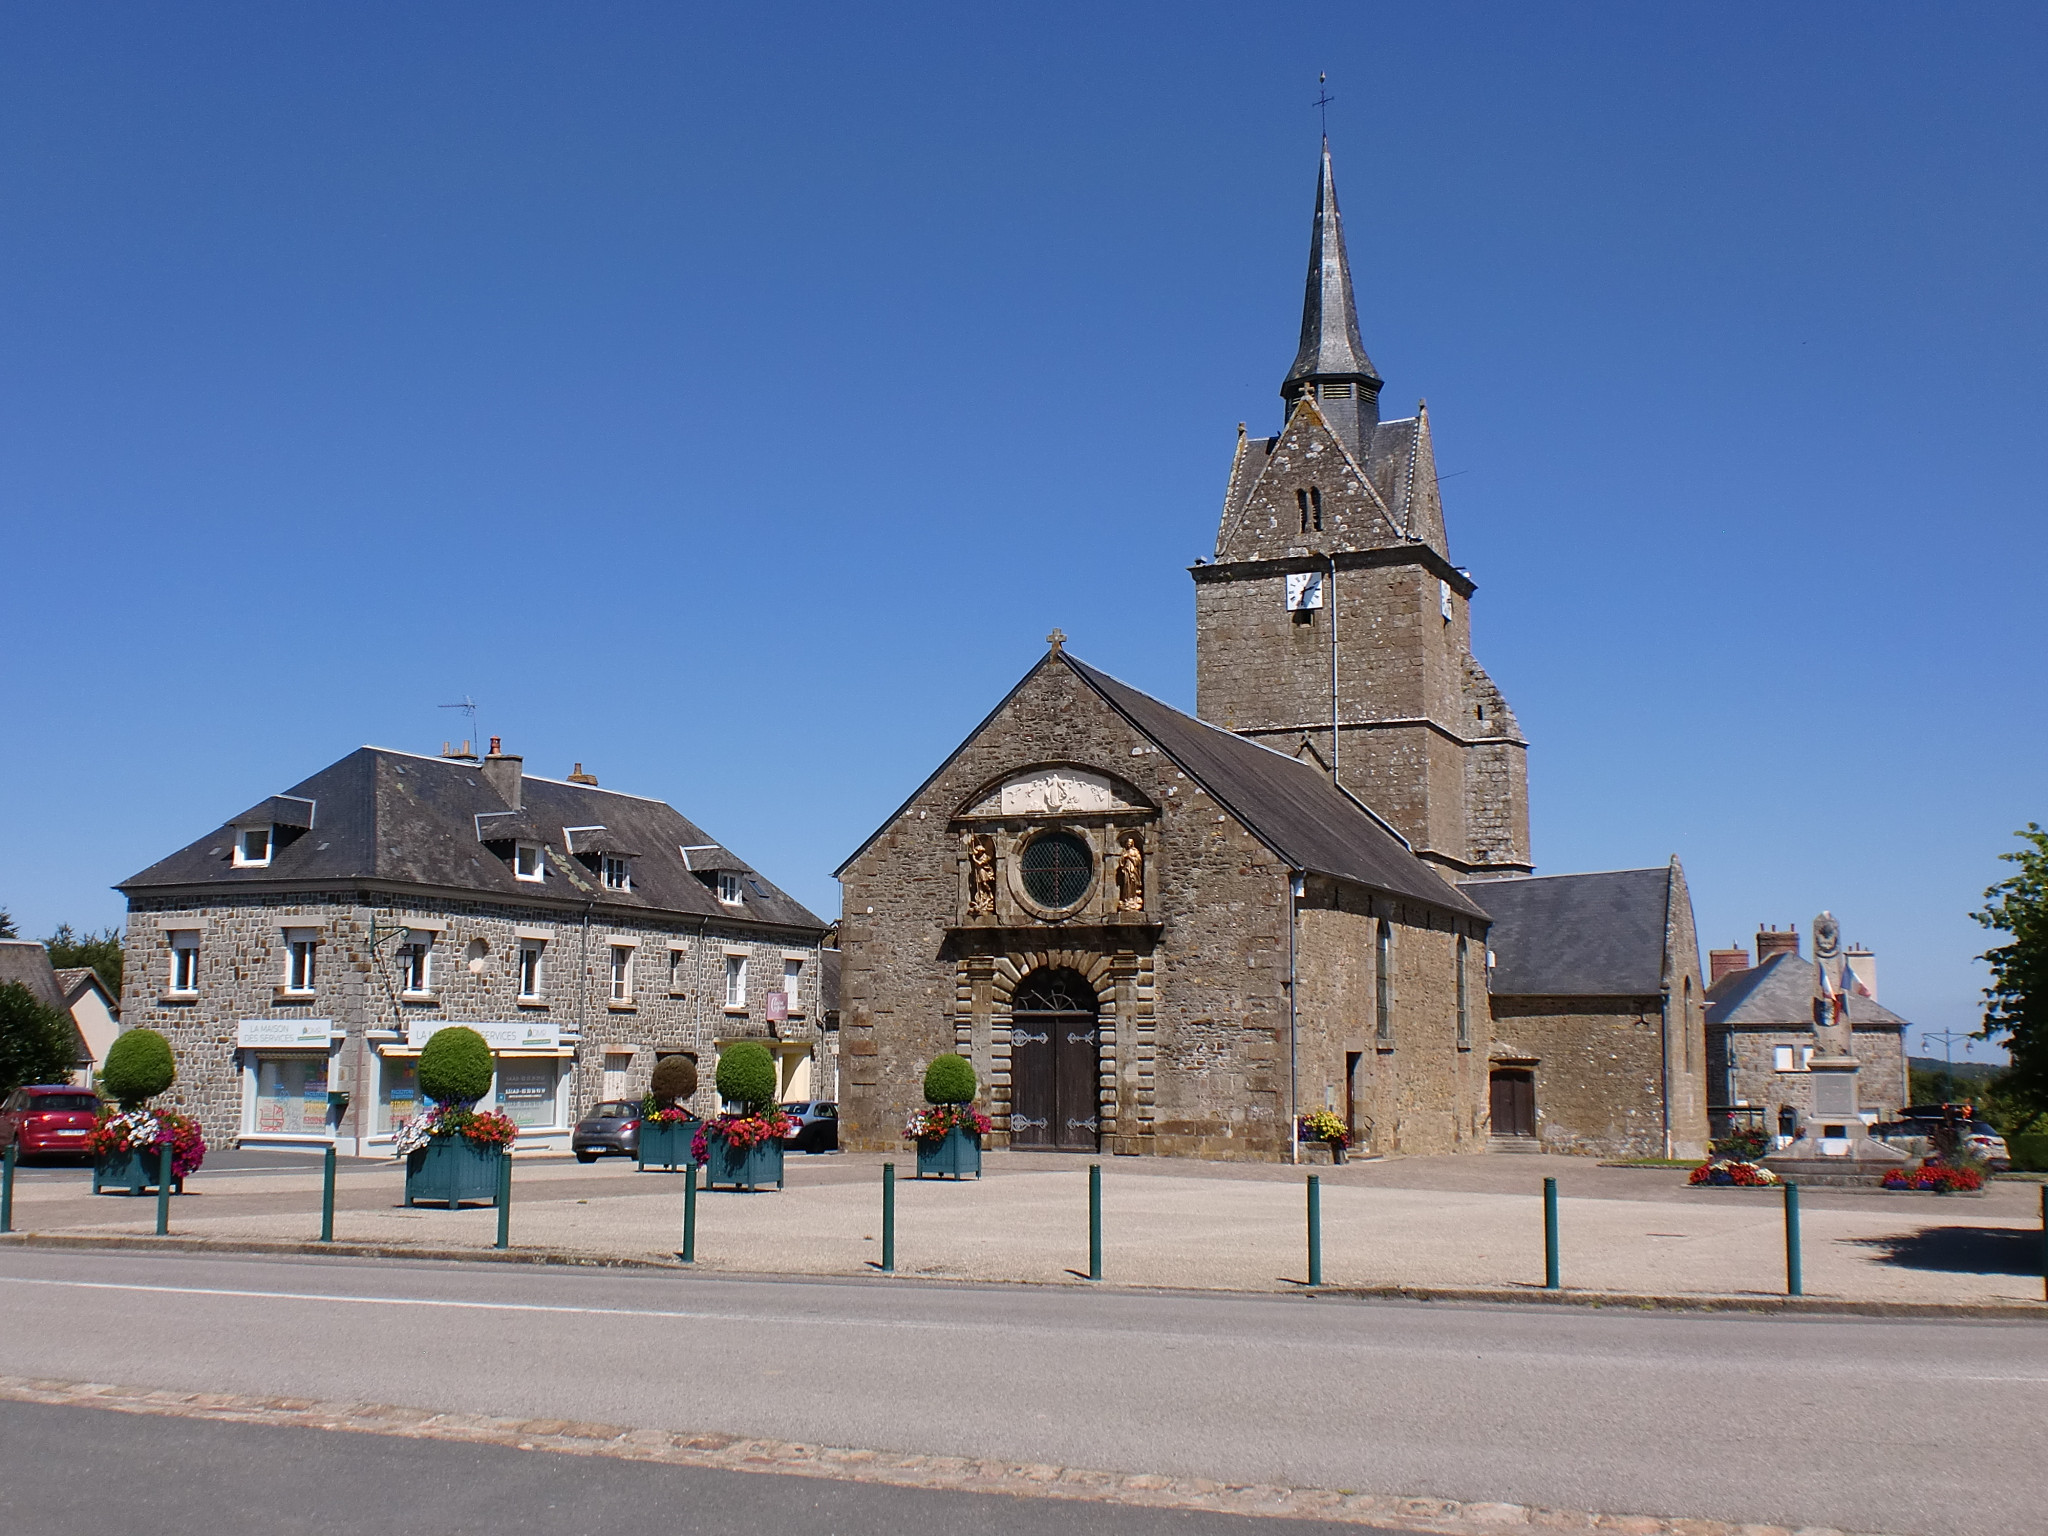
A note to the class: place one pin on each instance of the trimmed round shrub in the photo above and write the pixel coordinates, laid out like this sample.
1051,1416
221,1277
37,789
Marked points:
455,1066
949,1080
139,1067
746,1075
675,1077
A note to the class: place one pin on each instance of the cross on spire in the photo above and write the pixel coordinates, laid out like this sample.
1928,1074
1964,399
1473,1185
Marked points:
1057,639
1322,103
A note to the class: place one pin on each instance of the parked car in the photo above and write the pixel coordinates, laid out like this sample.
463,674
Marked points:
50,1120
1914,1136
814,1126
610,1127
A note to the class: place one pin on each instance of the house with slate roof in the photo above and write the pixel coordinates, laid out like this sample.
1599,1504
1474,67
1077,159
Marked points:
300,954
1760,1037
1599,1024
27,962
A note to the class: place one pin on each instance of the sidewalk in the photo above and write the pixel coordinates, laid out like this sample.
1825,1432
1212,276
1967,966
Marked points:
1451,1223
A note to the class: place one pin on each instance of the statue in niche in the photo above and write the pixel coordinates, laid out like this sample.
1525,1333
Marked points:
981,856
1130,875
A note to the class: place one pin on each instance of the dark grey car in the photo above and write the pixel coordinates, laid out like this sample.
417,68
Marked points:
613,1126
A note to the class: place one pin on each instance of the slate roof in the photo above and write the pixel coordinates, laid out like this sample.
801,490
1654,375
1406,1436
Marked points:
1594,935
395,819
1779,995
28,962
74,979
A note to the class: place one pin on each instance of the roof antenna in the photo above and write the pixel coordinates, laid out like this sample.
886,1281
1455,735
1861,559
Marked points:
468,707
1322,102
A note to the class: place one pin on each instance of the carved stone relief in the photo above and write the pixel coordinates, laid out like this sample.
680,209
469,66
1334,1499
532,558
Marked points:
981,854
1130,875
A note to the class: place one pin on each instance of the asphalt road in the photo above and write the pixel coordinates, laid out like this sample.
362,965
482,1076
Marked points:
1896,1426
87,1470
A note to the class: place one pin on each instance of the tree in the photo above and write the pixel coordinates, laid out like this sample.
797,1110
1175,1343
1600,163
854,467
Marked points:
101,951
7,925
2016,1002
37,1043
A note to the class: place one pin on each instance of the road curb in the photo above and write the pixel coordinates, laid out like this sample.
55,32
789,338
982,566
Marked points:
2034,1311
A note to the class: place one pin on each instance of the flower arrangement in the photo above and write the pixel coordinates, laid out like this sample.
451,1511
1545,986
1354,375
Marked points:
935,1122
1745,1145
652,1113
487,1129
1325,1125
1726,1171
143,1131
742,1131
1941,1178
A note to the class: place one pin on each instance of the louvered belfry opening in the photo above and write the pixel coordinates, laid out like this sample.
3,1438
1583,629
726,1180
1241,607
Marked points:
1054,1032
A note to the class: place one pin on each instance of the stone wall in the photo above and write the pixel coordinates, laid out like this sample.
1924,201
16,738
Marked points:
242,971
1598,1065
1881,1085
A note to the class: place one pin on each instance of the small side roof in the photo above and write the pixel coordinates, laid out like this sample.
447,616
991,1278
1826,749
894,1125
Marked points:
28,962
1592,935
1779,994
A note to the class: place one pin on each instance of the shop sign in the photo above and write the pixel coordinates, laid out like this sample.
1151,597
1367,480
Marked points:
778,1007
283,1034
522,1035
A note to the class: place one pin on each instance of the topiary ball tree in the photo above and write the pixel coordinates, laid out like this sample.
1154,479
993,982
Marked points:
455,1066
675,1077
139,1067
949,1080
746,1076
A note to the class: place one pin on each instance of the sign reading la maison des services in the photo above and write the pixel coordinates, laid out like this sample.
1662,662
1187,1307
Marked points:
283,1034
520,1035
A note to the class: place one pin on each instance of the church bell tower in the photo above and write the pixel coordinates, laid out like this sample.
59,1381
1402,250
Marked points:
1332,622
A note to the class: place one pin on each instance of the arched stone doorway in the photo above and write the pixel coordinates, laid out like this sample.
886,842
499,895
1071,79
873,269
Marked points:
1054,1037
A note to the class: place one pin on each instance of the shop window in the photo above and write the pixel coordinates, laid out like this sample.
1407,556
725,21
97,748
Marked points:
529,970
527,1091
735,981
291,1095
527,863
398,1093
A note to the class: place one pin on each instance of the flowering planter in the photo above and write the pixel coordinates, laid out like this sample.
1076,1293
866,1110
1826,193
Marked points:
666,1144
453,1169
959,1154
133,1171
742,1167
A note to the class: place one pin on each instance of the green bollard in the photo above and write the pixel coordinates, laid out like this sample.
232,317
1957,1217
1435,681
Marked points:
1315,1230
2044,1242
1095,1221
888,1218
505,1202
7,1189
1550,1267
327,1195
163,1189
1795,1281
689,1213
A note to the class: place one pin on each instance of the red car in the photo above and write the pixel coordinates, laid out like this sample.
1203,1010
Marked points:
48,1119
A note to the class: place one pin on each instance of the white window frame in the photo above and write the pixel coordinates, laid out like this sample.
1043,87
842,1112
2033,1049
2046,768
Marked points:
793,984
1791,1058
301,965
736,982
520,854
242,836
532,977
417,958
729,889
185,959
622,973
616,870
678,972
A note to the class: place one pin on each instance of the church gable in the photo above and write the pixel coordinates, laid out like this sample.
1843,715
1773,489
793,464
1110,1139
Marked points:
1311,492
1055,789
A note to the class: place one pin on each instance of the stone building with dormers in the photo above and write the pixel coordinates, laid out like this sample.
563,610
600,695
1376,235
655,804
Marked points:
307,948
1156,934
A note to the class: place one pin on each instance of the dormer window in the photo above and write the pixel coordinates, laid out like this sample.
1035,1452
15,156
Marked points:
527,863
618,873
252,848
729,888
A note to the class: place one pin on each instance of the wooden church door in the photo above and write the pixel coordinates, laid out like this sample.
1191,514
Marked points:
1053,1035
1514,1101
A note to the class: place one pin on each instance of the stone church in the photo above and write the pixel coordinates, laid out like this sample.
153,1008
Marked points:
1157,933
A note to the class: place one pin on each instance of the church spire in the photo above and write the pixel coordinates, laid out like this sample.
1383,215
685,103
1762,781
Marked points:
1332,363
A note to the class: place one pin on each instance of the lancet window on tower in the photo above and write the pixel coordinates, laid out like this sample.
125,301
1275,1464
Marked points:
1311,501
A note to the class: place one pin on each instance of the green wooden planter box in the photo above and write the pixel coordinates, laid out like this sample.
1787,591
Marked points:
132,1171
666,1145
452,1169
2029,1153
742,1167
958,1155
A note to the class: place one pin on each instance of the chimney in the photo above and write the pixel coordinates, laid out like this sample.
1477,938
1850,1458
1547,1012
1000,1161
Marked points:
1864,964
578,776
504,774
1725,962
1769,942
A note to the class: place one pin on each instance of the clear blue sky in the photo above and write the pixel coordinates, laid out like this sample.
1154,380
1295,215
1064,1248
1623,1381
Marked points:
733,400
